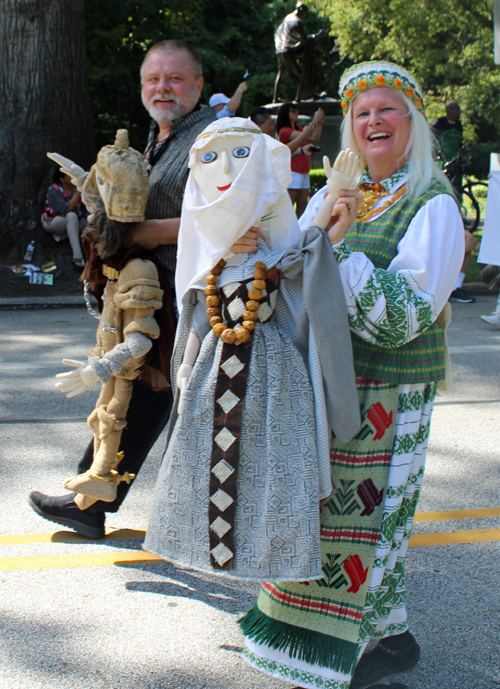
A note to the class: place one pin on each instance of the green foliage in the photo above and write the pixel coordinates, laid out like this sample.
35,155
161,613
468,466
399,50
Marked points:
479,153
232,36
317,179
446,44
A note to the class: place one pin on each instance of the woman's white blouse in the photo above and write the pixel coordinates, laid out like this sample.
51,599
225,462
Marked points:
393,306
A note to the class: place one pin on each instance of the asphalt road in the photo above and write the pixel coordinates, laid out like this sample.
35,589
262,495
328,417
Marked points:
82,614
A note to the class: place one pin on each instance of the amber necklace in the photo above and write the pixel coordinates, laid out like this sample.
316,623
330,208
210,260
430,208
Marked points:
371,194
219,328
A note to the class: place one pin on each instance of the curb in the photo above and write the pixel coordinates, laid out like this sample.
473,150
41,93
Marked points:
77,301
32,303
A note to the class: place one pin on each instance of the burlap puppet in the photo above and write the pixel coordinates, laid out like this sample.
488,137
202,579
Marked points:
115,191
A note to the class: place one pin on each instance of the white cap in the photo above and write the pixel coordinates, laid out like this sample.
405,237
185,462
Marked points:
218,99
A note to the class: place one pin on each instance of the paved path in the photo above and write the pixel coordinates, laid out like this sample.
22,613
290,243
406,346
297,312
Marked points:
82,614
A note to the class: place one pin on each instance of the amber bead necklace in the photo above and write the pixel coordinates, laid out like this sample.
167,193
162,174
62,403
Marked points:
371,194
219,328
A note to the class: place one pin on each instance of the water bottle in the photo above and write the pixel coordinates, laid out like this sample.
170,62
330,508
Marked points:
29,251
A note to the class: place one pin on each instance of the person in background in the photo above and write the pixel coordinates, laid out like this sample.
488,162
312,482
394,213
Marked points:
65,215
494,318
227,107
262,118
297,138
171,79
459,294
448,131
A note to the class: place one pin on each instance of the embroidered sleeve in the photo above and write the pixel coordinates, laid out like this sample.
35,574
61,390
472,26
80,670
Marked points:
391,307
56,201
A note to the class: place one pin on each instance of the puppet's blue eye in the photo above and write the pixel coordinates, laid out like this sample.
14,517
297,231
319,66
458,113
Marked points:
241,152
208,157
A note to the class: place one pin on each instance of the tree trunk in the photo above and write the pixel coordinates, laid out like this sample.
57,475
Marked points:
44,106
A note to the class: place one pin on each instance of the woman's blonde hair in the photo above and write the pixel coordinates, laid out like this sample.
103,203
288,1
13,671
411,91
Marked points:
422,167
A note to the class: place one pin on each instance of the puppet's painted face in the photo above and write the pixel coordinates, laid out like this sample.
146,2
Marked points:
219,163
103,187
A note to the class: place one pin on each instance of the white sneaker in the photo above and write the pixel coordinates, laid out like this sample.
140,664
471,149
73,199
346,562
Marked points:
494,319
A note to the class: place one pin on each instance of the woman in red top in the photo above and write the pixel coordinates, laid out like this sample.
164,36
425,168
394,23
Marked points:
297,139
65,215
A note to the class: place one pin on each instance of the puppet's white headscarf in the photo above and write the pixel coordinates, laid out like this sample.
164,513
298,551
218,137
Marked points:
258,197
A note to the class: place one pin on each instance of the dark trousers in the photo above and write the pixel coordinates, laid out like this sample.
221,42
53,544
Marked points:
147,416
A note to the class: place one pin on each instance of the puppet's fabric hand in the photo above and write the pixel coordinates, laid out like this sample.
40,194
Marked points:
67,166
183,377
77,381
344,174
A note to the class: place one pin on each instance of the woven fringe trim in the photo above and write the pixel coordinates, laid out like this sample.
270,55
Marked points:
311,647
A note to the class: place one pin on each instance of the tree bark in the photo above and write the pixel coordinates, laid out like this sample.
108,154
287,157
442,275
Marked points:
44,106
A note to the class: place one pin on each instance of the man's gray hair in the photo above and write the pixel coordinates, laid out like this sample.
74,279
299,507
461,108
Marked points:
173,46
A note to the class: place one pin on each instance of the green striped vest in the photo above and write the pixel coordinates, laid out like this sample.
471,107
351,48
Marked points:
422,359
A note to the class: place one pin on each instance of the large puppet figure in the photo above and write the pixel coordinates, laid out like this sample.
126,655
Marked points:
263,368
115,191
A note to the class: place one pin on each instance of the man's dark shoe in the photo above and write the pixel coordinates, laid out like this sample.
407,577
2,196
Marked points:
384,661
462,296
62,510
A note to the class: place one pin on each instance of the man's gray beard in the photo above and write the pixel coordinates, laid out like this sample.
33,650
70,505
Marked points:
161,116
189,104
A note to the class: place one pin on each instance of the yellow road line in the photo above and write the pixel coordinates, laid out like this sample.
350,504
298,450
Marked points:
458,514
9,564
70,537
137,557
116,558
136,534
446,538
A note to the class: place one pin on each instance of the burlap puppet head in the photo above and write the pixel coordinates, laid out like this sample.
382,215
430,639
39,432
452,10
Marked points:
120,179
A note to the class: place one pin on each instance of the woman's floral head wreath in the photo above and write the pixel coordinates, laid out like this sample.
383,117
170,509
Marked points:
367,75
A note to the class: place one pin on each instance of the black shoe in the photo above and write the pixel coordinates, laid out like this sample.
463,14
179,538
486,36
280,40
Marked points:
384,661
462,296
62,510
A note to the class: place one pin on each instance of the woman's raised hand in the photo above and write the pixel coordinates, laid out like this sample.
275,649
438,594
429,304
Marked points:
345,172
343,214
67,166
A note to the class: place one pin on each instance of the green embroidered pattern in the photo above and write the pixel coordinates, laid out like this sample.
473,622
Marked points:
397,492
410,401
392,630
341,252
392,183
405,444
379,604
287,614
286,672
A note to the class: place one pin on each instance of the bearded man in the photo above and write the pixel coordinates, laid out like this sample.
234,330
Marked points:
171,79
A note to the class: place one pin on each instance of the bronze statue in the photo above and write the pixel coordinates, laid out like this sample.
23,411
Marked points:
291,42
